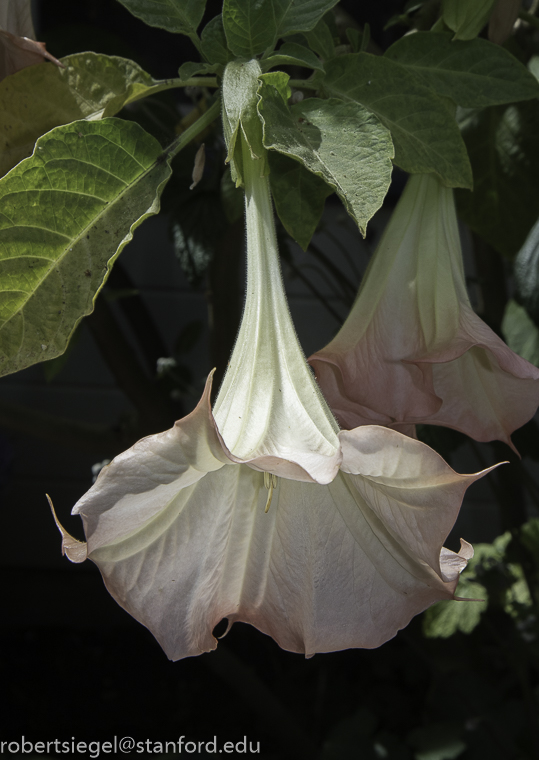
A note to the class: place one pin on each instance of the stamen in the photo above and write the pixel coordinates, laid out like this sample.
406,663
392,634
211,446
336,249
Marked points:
270,482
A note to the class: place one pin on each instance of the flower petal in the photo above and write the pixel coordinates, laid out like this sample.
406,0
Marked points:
326,568
74,550
412,349
269,406
488,391
408,486
138,483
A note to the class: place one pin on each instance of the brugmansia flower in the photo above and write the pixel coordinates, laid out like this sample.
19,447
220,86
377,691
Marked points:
264,512
412,349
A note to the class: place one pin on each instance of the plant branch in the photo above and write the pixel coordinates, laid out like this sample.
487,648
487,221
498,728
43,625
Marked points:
191,132
303,84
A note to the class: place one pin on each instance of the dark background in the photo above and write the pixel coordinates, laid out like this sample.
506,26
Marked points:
72,663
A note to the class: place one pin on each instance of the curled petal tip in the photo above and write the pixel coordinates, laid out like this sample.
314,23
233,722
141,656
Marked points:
74,550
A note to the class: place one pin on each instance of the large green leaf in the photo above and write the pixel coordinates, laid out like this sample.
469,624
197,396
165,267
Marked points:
426,137
292,54
213,42
503,145
340,142
299,196
38,98
65,214
474,74
520,332
466,17
300,15
250,26
181,16
321,41
254,26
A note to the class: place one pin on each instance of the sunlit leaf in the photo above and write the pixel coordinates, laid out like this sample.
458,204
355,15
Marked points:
66,213
340,142
36,99
446,618
181,16
520,332
426,138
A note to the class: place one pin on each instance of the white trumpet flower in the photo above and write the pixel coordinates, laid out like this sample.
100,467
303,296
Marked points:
263,511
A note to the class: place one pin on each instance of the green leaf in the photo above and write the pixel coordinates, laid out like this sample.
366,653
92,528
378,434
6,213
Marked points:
444,619
529,535
240,85
474,74
298,195
213,42
279,80
340,142
526,271
182,16
292,54
466,17
300,15
250,26
320,40
358,40
425,138
520,332
254,26
66,213
39,98
190,69
503,145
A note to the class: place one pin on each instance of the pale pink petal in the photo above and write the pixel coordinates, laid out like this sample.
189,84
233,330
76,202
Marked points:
327,567
76,551
412,350
16,17
488,391
18,47
410,488
138,483
319,572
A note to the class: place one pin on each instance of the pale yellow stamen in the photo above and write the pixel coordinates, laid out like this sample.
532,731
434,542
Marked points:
270,482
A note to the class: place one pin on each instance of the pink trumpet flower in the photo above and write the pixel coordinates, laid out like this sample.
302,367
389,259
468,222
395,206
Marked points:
412,350
261,510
